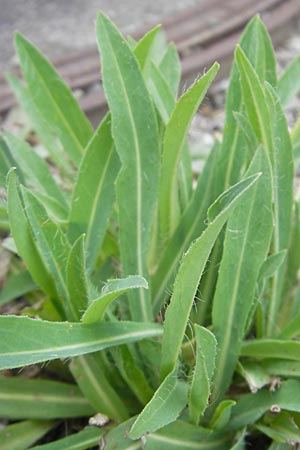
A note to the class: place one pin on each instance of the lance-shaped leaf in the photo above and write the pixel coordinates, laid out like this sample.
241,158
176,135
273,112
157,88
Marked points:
142,49
289,83
221,415
94,194
190,227
18,284
174,139
54,100
76,278
190,272
89,373
246,245
206,348
272,348
22,435
257,45
170,68
255,102
164,407
56,399
283,174
28,341
281,367
23,239
177,435
251,407
52,245
6,162
135,133
35,170
111,290
40,126
88,438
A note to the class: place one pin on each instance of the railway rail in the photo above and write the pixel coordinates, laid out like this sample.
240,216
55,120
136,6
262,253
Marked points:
203,34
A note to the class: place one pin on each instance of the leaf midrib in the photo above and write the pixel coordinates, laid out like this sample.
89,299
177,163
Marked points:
138,174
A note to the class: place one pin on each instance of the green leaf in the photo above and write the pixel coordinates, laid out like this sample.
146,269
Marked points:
76,277
170,68
83,440
182,435
28,341
289,82
251,407
272,348
190,272
160,92
40,125
221,415
175,436
52,246
281,428
21,233
191,225
283,173
131,373
17,285
138,147
55,399
206,348
6,162
54,100
256,44
89,373
254,98
254,374
93,195
22,435
246,246
142,49
110,291
281,367
272,264
164,407
35,170
174,139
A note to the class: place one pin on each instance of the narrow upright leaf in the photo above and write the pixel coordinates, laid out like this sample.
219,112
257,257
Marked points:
170,68
174,139
246,245
93,195
35,170
76,279
23,238
138,147
206,348
289,83
283,174
255,102
164,407
190,272
54,99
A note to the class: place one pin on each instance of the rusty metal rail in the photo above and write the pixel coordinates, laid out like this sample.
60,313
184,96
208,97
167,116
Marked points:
204,33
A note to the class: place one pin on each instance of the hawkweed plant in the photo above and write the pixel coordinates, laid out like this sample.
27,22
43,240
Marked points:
161,306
